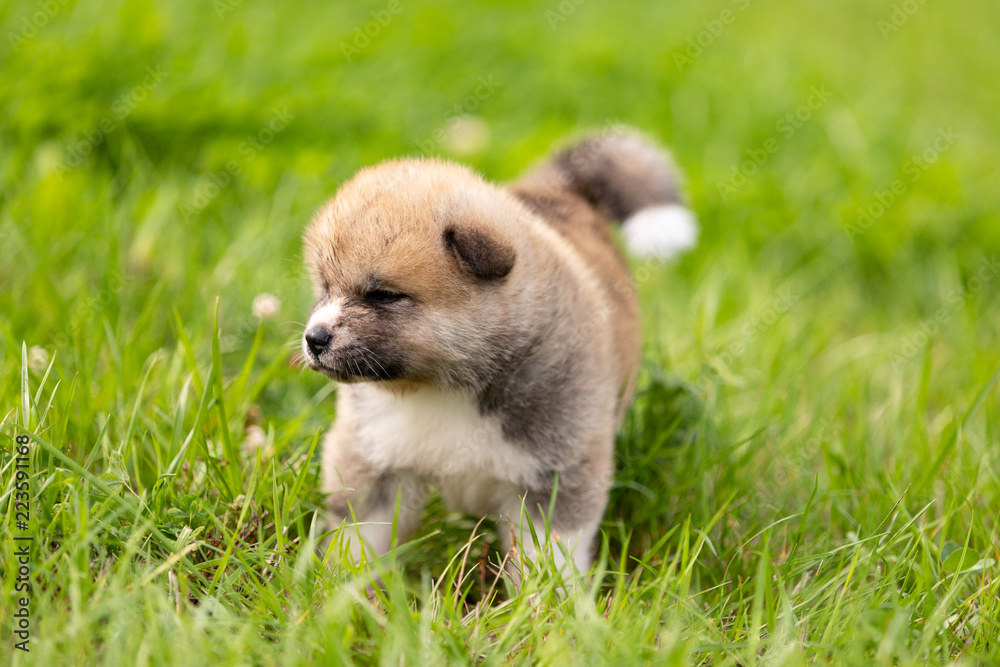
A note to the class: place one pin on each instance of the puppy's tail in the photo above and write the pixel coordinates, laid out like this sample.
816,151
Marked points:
628,178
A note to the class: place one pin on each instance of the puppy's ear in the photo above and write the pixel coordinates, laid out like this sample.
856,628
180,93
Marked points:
479,253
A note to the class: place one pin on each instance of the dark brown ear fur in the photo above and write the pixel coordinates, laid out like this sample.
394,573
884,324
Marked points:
478,253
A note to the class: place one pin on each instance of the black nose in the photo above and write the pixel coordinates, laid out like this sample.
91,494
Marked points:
317,339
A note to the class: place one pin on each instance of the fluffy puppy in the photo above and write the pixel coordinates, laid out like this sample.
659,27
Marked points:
486,337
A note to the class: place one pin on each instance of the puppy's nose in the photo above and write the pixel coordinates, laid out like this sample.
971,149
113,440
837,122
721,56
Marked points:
317,339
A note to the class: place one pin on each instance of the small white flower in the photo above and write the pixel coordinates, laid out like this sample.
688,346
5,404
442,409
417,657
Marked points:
255,439
38,359
265,306
466,135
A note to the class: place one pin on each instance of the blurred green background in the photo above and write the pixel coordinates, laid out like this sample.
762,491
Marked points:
137,202
829,345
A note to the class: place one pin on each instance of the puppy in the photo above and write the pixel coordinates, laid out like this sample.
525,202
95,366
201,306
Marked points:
486,337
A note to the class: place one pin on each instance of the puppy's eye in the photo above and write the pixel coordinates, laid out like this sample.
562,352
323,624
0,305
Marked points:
381,296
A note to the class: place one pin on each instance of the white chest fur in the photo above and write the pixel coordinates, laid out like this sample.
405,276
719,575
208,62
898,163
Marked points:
443,437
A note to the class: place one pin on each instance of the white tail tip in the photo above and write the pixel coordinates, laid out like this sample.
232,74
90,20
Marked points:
661,231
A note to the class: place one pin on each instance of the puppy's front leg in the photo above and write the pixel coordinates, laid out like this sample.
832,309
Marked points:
573,540
574,522
364,501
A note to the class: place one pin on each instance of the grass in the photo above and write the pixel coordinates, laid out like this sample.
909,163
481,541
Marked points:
809,473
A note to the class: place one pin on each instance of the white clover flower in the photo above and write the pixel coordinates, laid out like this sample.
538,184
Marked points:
255,438
466,135
265,306
38,359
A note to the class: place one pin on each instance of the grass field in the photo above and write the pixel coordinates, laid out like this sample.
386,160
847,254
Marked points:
810,473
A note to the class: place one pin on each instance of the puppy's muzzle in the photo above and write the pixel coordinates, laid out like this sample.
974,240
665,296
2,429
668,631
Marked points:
332,348
323,323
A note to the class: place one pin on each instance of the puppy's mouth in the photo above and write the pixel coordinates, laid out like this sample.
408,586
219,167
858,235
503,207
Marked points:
354,363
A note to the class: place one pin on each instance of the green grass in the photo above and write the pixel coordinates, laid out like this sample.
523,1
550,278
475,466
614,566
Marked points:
811,470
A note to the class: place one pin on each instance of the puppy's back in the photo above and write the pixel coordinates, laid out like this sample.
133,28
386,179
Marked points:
618,176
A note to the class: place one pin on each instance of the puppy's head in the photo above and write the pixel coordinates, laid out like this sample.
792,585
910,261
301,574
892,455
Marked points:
413,262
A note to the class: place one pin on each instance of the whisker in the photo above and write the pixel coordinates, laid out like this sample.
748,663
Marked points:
371,356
